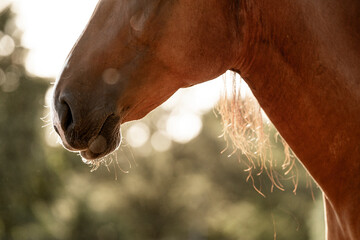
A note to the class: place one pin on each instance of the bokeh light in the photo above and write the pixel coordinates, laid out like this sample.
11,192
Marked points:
7,45
138,134
183,127
160,141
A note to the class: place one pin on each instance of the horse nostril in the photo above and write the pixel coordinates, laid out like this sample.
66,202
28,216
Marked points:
56,130
65,115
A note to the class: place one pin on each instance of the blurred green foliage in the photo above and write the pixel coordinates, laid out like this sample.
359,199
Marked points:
189,192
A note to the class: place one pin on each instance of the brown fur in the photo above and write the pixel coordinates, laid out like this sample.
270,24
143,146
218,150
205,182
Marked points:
300,59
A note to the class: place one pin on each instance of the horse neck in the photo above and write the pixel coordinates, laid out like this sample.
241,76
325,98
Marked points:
302,64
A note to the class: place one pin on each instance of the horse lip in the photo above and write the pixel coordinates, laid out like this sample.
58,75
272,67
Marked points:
106,141
69,148
98,145
88,155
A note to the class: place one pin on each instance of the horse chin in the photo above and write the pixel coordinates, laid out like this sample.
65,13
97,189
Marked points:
107,141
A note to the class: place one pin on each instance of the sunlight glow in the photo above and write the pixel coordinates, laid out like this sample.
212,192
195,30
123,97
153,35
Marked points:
51,138
160,141
138,134
198,99
183,127
51,27
7,45
49,96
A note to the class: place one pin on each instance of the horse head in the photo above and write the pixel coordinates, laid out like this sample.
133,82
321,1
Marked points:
132,56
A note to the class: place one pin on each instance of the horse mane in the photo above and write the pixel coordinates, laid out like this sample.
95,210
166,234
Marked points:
244,125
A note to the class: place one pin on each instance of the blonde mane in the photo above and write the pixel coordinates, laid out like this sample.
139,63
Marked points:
243,128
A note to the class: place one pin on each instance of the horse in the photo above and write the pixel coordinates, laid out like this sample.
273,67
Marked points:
301,60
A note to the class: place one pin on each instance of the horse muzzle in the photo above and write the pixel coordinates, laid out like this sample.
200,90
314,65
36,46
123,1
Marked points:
106,141
81,131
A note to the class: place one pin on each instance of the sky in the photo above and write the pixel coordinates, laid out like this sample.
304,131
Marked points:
50,29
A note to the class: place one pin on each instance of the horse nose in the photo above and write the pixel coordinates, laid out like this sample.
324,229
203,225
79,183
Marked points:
64,122
65,115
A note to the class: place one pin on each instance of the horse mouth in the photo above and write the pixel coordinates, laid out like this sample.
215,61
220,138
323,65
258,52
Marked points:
105,142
